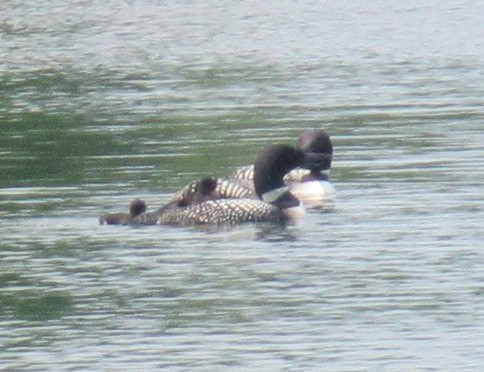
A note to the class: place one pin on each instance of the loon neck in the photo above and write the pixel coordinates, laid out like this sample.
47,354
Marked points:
272,164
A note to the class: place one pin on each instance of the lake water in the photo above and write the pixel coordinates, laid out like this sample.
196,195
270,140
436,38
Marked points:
102,102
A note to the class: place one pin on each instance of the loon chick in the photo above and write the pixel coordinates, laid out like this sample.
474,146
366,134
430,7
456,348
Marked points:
136,208
275,202
211,188
201,191
309,184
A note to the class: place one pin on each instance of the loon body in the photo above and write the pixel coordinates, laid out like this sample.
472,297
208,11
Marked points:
222,211
274,203
312,185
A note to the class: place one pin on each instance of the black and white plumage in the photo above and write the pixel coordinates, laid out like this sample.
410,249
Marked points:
274,202
183,207
222,211
310,184
220,189
220,201
311,141
195,193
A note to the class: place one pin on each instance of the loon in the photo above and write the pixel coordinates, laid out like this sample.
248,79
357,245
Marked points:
274,201
310,185
136,208
218,201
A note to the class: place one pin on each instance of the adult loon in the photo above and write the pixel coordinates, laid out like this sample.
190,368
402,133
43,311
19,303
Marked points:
274,203
310,185
215,201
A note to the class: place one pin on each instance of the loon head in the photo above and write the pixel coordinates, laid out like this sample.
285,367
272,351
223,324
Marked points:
316,143
136,207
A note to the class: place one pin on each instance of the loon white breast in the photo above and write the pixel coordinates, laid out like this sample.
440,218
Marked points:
274,203
309,184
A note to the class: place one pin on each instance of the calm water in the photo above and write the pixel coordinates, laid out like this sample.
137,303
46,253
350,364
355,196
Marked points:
101,102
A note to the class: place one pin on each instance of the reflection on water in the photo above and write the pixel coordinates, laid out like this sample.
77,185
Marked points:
102,103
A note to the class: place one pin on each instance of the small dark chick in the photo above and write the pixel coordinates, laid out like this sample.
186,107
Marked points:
204,190
136,207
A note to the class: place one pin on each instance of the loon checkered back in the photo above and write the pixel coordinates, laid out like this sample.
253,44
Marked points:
222,211
222,189
195,193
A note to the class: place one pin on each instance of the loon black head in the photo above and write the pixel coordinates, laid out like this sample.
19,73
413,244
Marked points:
316,143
